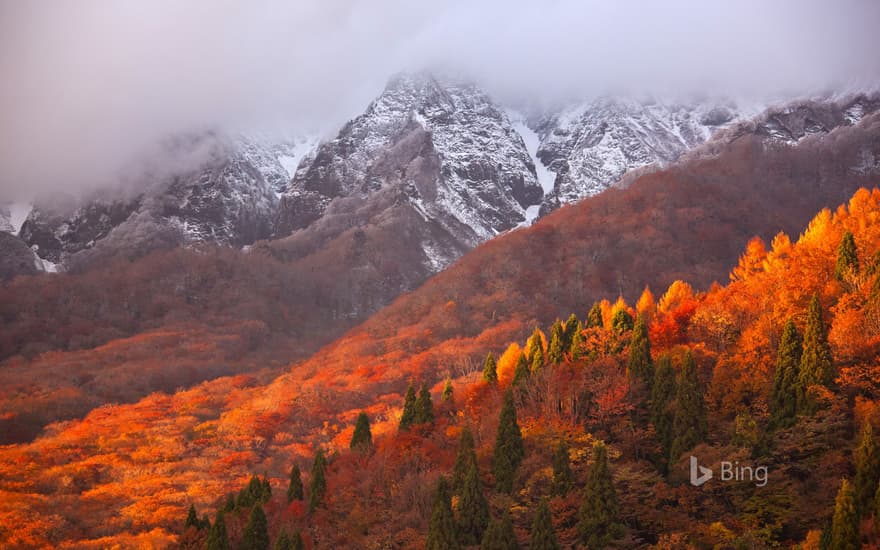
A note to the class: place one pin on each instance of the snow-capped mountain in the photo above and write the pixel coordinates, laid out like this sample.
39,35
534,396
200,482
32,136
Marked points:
229,196
451,151
590,145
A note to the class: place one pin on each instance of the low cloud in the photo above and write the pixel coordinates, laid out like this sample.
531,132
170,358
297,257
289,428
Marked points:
88,86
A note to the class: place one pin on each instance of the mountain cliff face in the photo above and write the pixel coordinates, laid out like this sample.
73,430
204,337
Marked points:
449,151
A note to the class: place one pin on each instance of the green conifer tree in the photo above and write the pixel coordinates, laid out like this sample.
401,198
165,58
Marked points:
265,490
295,488
192,519
622,321
556,348
662,404
521,372
598,518
537,361
256,533
230,503
424,407
689,426
447,395
847,258
594,317
500,535
407,419
639,363
816,365
318,485
563,478
296,543
473,509
543,536
490,370
509,448
571,327
845,522
442,531
362,439
218,538
784,395
867,463
466,456
576,350
283,542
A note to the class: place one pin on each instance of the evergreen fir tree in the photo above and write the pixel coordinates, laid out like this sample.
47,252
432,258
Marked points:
598,519
283,541
205,522
500,535
535,344
490,370
845,522
847,258
256,533
662,398
622,321
362,439
594,317
318,486
466,456
442,532
509,449
424,407
218,538
562,475
473,510
689,426
639,363
867,463
296,543
295,488
407,419
576,350
543,536
521,372
783,397
816,362
251,494
447,392
265,490
571,327
537,361
230,503
556,349
192,519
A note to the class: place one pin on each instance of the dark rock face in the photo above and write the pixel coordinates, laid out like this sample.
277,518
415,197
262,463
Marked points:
451,153
16,258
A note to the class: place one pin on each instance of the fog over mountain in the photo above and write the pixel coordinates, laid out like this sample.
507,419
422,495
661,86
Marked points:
91,89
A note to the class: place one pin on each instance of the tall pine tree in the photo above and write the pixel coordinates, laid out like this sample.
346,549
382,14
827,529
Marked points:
256,533
622,321
576,350
847,258
192,519
556,348
598,518
571,328
473,510
521,372
442,531
562,475
639,363
500,535
689,426
490,369
447,396
867,463
816,366
424,407
509,448
407,419
662,405
295,487
784,395
218,538
845,522
543,536
466,456
362,439
594,317
318,485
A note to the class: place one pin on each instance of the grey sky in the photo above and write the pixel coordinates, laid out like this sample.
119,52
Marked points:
86,86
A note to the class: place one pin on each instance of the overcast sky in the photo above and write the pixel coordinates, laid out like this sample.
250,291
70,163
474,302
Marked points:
86,86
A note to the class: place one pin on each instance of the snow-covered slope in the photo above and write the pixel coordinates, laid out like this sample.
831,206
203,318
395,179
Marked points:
449,151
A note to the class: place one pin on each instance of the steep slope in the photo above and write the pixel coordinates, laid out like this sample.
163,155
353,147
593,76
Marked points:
16,258
687,222
230,198
449,152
